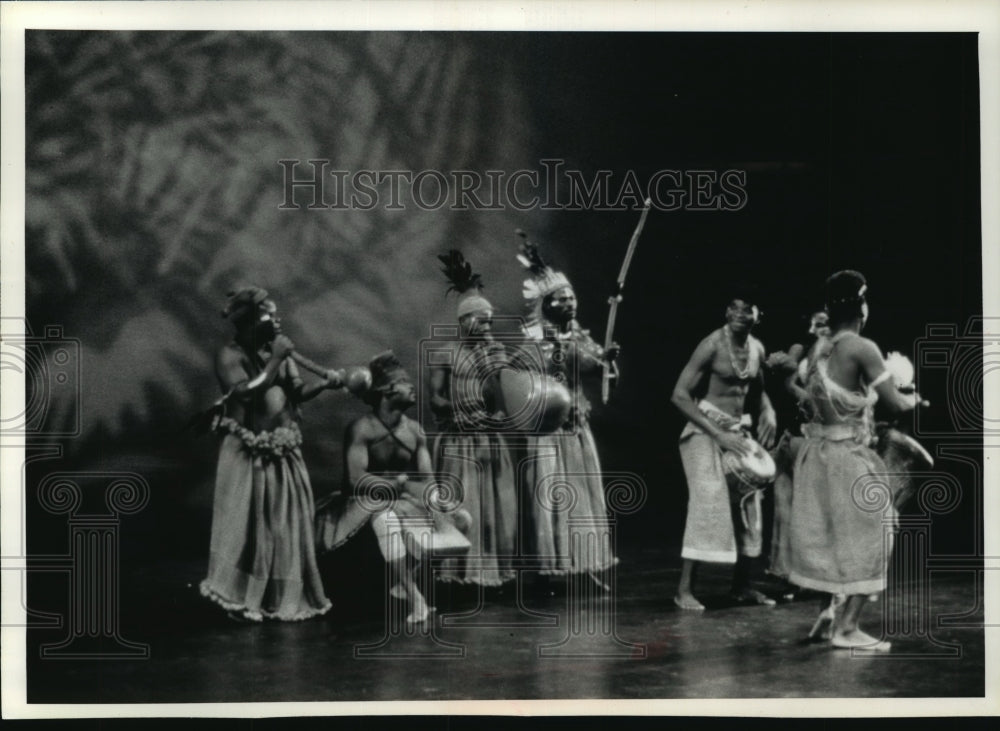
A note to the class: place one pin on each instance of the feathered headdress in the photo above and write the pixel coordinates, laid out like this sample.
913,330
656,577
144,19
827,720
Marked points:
462,281
542,279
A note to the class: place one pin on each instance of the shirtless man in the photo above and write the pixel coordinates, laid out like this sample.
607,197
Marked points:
722,367
387,441
262,561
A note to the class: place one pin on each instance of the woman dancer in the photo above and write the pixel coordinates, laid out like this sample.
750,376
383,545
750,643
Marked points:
837,545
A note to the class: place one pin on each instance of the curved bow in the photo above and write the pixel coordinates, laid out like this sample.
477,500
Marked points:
610,367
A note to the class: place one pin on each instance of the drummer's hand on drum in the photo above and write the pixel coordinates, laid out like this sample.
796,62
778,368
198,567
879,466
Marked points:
733,443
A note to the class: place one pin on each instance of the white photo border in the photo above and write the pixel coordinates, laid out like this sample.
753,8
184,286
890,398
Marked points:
980,16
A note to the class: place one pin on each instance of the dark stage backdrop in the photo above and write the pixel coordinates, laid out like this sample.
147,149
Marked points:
153,187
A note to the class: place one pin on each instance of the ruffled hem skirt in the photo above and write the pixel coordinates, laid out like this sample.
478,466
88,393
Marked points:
262,560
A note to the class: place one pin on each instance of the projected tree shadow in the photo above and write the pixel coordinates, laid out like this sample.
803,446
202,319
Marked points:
153,186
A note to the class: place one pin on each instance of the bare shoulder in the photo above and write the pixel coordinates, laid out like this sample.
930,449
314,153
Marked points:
707,348
413,427
704,354
231,366
229,355
757,345
361,429
862,347
710,342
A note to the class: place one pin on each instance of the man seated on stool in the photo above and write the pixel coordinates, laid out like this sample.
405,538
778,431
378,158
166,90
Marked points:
378,444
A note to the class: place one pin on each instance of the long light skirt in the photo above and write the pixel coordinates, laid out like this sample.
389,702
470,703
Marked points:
781,549
482,466
842,521
564,495
262,560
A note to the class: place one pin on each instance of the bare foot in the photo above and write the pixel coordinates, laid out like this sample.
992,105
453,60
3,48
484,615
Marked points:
688,602
752,596
397,591
856,639
419,617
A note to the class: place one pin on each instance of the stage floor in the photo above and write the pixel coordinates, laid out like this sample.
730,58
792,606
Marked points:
634,644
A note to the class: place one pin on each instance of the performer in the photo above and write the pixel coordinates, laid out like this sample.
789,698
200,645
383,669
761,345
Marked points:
902,454
262,562
795,363
792,368
568,353
471,447
721,526
836,546
384,441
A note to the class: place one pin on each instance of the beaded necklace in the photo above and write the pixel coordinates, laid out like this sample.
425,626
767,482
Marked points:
744,372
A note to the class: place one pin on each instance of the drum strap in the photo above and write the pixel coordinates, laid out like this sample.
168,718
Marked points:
391,433
758,521
722,419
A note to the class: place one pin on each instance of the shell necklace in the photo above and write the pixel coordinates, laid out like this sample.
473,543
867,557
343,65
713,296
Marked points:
744,372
